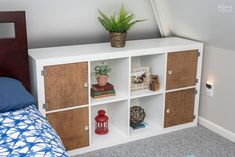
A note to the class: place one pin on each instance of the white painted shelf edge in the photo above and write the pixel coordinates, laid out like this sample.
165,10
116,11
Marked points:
149,128
99,101
144,93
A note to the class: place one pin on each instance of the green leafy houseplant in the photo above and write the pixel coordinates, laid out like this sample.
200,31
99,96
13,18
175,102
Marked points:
102,73
118,26
102,69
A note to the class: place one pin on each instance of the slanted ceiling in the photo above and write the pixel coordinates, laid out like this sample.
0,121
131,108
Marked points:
211,21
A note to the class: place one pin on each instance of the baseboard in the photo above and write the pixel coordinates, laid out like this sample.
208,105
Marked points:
217,129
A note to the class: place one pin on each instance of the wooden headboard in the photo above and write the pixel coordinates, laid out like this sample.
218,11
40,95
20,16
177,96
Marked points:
14,51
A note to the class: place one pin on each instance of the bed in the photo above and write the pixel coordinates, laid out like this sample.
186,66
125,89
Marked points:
23,130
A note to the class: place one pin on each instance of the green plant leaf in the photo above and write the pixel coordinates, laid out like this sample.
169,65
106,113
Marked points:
133,23
102,69
106,19
120,24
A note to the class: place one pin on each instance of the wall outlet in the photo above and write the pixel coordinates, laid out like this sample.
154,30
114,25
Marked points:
210,89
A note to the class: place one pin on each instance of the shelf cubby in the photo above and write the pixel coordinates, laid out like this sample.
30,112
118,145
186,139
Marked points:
153,107
156,63
118,122
118,77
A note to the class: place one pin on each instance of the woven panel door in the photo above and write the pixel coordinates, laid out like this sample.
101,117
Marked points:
179,107
182,69
66,85
72,127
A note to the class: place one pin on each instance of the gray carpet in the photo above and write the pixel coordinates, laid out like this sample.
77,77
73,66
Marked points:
198,141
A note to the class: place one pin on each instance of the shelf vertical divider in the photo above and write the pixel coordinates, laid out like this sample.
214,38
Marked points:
89,99
129,95
164,89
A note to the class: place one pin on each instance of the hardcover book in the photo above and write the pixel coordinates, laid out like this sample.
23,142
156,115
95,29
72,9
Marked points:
95,94
108,86
105,95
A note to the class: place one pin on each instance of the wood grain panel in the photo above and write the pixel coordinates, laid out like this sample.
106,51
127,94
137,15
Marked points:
179,107
70,125
181,69
64,85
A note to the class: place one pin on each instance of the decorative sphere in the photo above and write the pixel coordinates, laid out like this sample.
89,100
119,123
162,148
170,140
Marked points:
137,115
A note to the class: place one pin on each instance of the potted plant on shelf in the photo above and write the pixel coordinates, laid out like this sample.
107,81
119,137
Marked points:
102,73
118,26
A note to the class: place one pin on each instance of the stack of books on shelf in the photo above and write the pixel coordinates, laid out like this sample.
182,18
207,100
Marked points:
102,91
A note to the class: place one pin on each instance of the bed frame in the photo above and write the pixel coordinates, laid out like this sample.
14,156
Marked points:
14,51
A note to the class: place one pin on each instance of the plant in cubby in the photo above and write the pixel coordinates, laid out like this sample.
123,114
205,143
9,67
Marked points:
102,73
103,88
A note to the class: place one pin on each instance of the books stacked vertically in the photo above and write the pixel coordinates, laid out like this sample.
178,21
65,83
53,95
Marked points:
102,91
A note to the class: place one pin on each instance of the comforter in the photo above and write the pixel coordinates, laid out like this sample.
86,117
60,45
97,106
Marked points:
26,132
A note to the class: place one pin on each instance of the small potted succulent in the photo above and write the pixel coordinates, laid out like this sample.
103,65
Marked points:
102,73
118,26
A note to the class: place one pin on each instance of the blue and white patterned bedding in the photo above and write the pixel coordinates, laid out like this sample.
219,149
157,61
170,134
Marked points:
26,132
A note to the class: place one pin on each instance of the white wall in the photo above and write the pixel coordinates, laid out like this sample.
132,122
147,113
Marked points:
66,22
211,21
219,68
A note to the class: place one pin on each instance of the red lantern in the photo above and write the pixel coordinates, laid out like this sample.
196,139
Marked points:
101,123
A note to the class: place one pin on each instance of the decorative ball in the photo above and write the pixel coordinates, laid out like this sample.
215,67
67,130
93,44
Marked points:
137,115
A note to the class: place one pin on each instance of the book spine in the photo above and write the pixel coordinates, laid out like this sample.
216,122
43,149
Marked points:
103,88
95,93
102,96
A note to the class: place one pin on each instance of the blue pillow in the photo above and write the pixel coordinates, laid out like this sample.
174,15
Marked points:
13,95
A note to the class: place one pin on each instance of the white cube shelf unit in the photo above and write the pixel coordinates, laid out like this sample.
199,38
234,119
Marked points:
61,80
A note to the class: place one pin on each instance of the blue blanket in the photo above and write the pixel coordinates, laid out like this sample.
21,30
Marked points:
26,132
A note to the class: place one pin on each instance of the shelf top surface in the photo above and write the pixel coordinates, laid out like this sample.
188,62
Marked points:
88,50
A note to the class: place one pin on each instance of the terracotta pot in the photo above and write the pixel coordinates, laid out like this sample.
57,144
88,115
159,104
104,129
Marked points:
102,80
118,39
